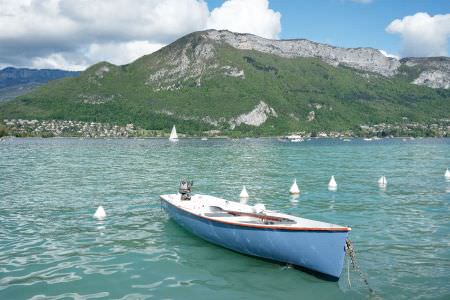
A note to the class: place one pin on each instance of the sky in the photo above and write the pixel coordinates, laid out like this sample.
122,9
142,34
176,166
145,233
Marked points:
74,34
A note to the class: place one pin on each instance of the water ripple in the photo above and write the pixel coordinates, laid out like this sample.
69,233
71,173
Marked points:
52,248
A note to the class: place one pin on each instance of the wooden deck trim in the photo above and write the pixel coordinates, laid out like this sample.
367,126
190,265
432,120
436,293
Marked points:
270,227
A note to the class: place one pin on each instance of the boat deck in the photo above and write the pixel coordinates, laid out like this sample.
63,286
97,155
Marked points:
230,212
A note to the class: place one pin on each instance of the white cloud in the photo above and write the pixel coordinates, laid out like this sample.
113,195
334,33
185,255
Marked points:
76,33
422,34
116,53
389,54
57,61
246,16
121,53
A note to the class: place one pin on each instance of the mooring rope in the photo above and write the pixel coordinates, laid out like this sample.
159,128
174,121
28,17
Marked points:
348,273
350,251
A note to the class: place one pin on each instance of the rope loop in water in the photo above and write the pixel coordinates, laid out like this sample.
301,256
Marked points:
350,251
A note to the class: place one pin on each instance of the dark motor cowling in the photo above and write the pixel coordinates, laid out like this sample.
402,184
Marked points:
185,189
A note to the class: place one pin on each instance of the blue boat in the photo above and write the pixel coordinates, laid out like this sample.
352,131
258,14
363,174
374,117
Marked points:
310,245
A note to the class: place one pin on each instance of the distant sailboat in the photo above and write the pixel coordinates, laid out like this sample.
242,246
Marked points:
294,190
173,135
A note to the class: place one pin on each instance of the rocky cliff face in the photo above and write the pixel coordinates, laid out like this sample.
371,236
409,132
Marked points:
193,56
256,117
435,70
365,59
185,63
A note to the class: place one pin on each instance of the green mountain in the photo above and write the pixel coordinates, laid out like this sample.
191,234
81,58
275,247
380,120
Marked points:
244,84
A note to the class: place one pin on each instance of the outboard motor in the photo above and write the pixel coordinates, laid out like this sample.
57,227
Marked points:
185,189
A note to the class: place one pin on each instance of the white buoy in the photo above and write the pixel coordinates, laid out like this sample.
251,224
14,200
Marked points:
447,174
243,193
382,181
332,185
100,213
243,200
294,190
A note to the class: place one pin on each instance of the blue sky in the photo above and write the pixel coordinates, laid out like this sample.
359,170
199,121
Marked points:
347,23
73,34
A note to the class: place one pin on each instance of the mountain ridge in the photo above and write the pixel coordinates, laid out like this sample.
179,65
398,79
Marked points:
218,80
17,81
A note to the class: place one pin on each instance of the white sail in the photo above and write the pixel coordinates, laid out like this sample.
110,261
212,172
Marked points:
294,188
243,193
100,213
173,134
447,174
332,185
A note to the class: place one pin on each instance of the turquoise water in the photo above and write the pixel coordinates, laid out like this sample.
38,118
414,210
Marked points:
51,247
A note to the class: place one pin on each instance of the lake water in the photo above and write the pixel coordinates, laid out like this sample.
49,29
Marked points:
52,248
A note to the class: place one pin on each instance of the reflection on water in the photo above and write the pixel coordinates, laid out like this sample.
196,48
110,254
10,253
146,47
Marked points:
295,198
51,246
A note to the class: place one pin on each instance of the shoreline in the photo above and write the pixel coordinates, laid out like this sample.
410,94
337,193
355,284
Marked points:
84,129
279,138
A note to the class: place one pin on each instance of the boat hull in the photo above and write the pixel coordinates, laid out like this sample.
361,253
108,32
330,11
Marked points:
321,252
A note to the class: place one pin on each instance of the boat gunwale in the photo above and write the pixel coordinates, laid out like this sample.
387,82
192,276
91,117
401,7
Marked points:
269,227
